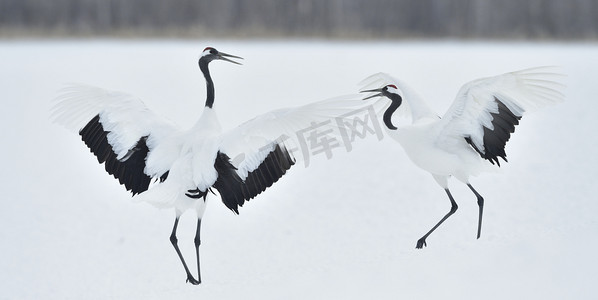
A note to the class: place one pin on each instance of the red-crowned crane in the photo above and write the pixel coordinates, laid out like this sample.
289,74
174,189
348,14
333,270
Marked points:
471,136
136,146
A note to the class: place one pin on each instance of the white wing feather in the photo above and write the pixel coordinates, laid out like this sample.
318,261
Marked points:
124,116
520,91
248,144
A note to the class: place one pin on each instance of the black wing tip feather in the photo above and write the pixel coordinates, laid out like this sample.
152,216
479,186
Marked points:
235,192
504,122
128,172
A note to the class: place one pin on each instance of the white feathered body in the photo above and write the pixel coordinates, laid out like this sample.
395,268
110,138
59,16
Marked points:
454,157
188,157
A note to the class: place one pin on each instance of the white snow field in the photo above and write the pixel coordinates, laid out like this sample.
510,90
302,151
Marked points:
342,228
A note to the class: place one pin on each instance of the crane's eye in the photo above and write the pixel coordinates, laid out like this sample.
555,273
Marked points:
210,50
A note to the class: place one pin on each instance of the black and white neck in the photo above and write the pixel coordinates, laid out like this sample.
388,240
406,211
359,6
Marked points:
208,55
203,66
391,92
396,101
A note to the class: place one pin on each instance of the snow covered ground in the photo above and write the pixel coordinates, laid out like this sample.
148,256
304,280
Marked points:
343,228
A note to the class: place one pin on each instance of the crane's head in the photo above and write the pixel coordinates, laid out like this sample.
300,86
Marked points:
209,54
390,91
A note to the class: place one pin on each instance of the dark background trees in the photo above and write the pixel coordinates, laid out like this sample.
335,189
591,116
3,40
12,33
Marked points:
558,19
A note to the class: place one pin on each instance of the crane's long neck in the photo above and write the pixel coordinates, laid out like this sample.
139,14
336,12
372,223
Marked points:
396,102
203,66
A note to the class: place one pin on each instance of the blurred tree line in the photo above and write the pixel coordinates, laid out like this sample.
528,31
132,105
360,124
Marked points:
559,19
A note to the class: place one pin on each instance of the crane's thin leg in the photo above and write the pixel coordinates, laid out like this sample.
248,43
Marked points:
422,241
174,241
197,243
481,206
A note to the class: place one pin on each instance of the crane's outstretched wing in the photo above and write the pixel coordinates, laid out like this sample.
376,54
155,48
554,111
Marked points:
118,129
486,110
257,153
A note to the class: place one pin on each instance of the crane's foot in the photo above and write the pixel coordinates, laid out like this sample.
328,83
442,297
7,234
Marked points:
192,280
421,243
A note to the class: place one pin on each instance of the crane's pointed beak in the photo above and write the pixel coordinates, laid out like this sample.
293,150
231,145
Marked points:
223,56
374,95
